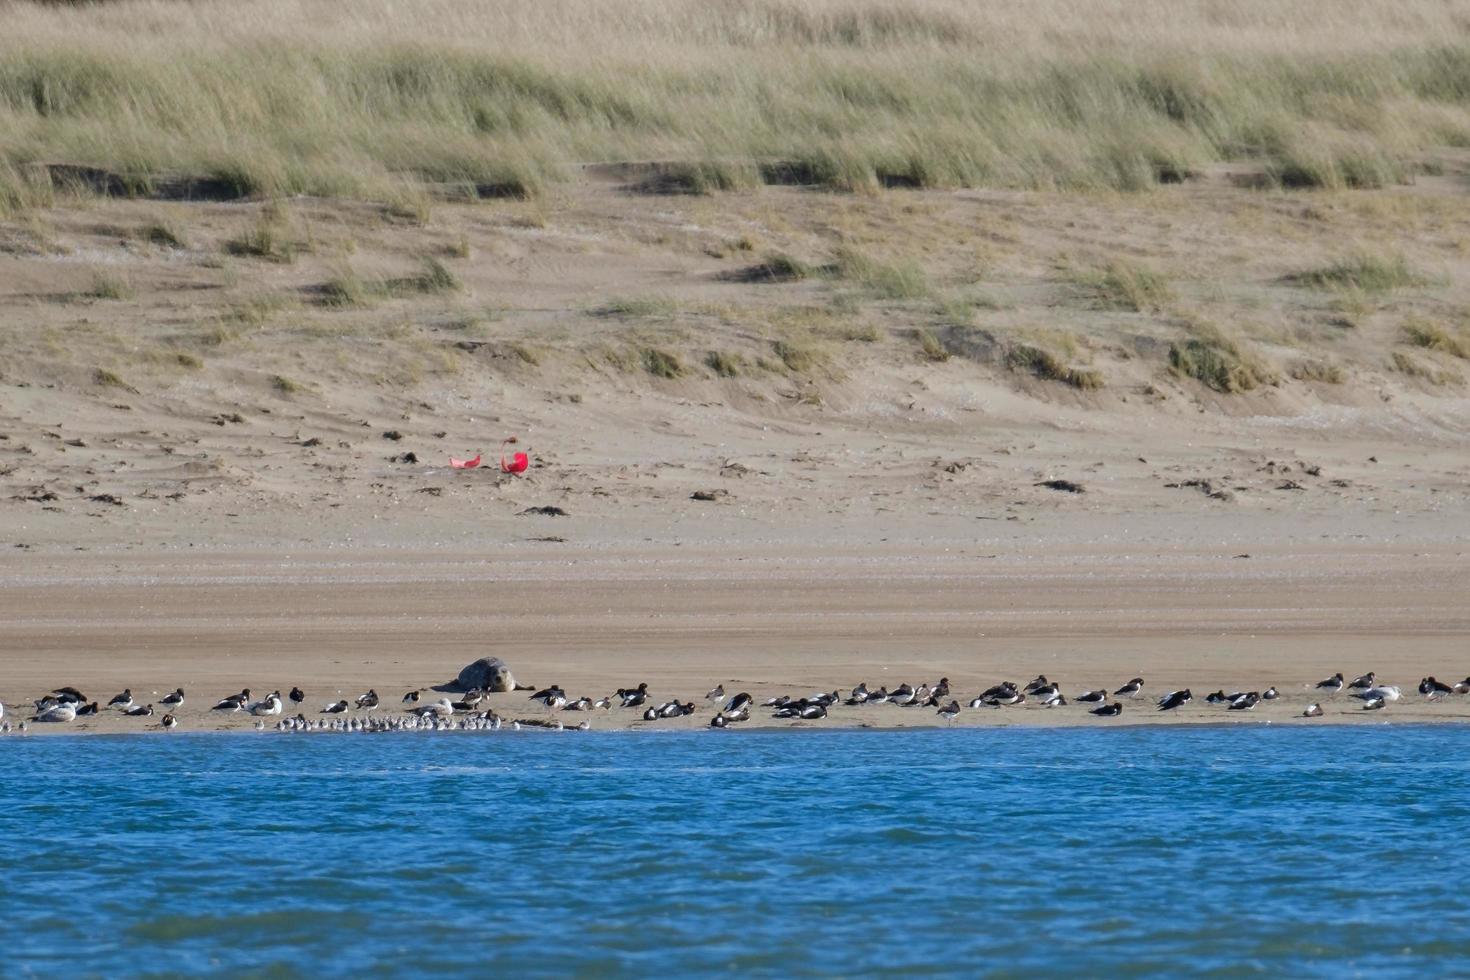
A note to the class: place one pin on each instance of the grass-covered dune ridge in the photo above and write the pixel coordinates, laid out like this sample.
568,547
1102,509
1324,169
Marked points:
369,99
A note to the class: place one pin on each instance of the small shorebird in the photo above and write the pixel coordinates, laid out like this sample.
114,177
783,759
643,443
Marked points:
1130,690
1108,710
412,697
369,700
1245,702
122,701
336,708
1270,694
1363,683
717,695
169,722
297,695
1313,711
175,699
1035,686
1373,704
740,702
1429,687
140,711
635,697
89,709
1332,684
1093,697
950,711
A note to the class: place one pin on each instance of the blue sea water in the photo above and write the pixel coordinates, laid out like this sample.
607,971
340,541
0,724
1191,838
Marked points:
1136,851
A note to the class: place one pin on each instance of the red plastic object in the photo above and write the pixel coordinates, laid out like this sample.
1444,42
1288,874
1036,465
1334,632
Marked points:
463,464
516,464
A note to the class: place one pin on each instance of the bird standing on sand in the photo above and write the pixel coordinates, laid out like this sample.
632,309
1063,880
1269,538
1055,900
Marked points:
950,711
412,697
717,695
169,722
175,699
1332,684
297,695
122,701
1363,683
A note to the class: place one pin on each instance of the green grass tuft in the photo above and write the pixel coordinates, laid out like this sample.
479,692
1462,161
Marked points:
1365,272
1433,336
723,363
661,363
1218,362
1128,286
1048,367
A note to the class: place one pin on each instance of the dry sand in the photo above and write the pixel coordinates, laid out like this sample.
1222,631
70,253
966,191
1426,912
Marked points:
892,528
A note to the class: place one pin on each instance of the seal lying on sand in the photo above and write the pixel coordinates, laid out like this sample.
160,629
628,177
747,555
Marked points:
488,674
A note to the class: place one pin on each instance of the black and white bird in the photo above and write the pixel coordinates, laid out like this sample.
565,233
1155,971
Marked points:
175,699
89,709
635,697
368,701
297,695
1174,699
1312,711
140,711
718,721
1245,702
1332,684
169,722
1130,690
1093,697
1363,683
740,702
859,694
269,705
1373,704
1108,710
1383,692
717,695
1035,686
412,697
335,708
1429,687
950,711
122,701
1270,694
814,711
581,704
235,702
1219,697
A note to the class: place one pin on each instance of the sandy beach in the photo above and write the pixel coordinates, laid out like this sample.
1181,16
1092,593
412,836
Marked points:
218,482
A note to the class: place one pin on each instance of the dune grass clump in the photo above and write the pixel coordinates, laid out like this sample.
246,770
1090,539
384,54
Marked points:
661,363
103,378
638,308
435,277
780,267
163,235
723,363
1043,364
796,356
266,239
1123,285
348,289
105,285
1322,372
1408,366
1217,361
285,385
930,345
1364,272
1433,336
894,281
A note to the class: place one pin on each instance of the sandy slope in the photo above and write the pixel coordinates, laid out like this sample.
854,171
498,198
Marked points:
878,517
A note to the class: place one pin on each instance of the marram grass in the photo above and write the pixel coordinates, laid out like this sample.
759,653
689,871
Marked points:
502,96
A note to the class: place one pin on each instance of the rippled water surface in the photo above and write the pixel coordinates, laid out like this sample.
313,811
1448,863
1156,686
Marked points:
1133,851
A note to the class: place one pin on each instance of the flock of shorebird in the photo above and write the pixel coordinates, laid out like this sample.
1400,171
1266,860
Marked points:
470,712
